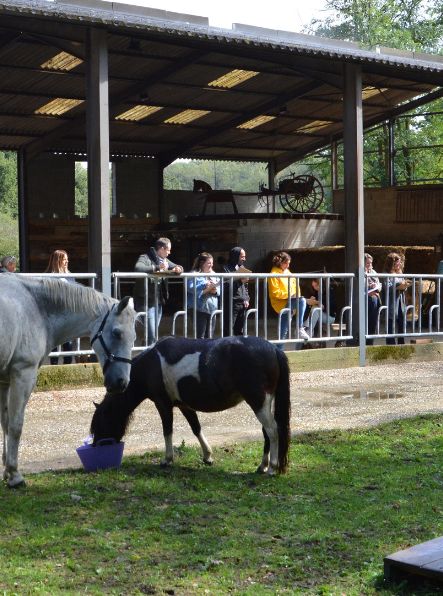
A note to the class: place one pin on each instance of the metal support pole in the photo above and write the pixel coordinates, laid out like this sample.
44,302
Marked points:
97,107
354,201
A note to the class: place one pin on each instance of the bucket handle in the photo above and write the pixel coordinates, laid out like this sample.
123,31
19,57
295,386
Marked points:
109,441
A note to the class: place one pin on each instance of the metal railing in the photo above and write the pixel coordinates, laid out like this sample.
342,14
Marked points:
413,312
258,312
420,304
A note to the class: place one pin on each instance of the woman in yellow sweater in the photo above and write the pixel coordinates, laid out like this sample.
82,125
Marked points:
284,292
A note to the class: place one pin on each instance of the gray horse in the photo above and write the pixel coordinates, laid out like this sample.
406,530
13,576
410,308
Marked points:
37,314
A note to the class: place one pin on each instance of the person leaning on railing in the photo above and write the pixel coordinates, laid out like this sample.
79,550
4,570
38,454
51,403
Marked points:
285,292
154,261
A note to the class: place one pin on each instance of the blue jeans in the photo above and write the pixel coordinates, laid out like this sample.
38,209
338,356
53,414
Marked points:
295,303
151,322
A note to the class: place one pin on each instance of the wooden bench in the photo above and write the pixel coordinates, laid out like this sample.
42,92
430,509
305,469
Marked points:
425,559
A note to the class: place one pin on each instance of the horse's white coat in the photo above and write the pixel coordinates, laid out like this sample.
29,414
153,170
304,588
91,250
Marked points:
35,316
207,451
169,450
172,373
266,417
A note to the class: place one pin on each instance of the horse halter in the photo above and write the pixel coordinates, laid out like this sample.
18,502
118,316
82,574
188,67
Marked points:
110,357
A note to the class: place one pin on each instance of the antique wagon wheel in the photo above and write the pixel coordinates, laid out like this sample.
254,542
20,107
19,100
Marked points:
306,196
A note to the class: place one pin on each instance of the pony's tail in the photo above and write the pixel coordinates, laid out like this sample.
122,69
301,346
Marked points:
282,411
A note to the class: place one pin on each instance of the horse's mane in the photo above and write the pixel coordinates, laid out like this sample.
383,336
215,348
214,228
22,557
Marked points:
59,295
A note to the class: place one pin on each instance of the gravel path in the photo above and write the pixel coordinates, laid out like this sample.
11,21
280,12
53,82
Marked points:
56,422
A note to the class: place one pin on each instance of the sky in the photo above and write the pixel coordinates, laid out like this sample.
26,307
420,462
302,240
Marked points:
287,15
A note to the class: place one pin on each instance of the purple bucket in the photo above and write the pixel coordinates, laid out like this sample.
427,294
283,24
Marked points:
106,454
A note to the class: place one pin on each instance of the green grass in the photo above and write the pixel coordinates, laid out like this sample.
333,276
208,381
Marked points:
349,499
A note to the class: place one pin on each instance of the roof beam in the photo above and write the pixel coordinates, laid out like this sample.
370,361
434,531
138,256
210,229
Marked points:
73,48
261,108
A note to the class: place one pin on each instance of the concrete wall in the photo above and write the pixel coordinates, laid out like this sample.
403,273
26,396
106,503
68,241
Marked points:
381,222
50,186
261,236
181,203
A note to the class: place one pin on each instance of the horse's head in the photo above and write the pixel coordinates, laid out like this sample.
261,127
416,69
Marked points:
112,339
110,418
201,186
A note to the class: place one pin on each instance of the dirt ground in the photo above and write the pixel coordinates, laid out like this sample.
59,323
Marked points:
57,422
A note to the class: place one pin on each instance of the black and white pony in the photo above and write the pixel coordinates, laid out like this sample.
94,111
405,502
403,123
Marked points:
35,316
206,375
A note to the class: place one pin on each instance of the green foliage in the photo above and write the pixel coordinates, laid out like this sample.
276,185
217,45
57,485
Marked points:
8,236
8,183
81,190
239,176
350,498
405,24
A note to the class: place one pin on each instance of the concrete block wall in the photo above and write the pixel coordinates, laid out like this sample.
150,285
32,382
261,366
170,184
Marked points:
259,237
381,225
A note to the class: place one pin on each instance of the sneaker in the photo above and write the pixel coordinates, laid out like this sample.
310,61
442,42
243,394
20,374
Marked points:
304,334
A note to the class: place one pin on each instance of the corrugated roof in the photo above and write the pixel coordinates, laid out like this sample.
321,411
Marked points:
159,58
130,16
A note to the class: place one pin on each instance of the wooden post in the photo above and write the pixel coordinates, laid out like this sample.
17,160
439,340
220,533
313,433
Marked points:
391,153
23,211
97,107
354,200
271,184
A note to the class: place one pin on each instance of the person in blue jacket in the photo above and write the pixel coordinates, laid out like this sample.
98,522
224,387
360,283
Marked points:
204,292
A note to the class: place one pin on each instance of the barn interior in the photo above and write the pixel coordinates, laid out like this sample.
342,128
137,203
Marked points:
104,82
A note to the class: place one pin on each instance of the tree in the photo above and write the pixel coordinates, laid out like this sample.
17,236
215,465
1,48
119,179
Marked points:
81,190
8,183
415,25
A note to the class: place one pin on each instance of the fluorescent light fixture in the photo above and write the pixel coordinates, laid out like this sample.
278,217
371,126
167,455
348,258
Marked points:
62,61
233,78
186,116
313,126
257,121
138,112
58,106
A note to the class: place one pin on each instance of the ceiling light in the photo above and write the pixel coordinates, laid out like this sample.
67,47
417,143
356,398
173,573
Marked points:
233,78
186,116
62,61
138,112
313,126
368,92
257,121
58,106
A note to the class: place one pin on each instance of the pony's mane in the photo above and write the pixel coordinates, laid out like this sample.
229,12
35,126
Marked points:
60,296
